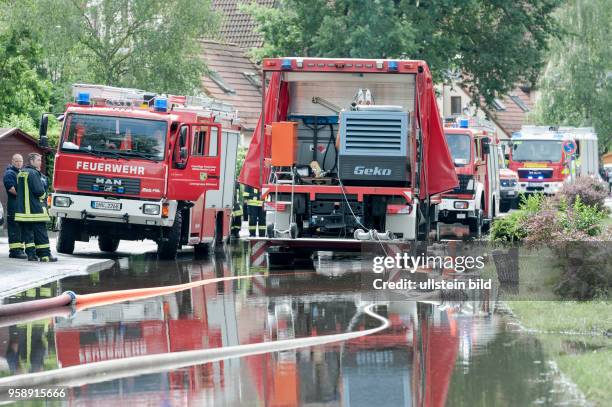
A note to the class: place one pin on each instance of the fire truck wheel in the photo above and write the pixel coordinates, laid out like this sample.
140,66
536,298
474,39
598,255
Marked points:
504,206
67,235
108,244
167,248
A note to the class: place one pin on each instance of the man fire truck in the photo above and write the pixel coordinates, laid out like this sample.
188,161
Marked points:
545,157
347,150
134,165
475,202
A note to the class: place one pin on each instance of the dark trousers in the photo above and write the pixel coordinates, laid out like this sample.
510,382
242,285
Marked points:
35,237
257,215
14,235
236,224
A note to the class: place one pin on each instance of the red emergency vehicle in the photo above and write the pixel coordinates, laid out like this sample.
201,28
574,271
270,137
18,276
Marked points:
135,165
475,202
347,150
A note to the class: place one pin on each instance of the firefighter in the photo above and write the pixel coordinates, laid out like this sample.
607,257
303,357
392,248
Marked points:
31,212
255,212
237,212
10,184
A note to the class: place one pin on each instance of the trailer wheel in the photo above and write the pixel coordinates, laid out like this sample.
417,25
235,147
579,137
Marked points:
108,244
67,236
270,230
168,247
293,231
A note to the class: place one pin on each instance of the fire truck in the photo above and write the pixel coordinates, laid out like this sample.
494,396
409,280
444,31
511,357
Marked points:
546,157
346,151
475,202
135,165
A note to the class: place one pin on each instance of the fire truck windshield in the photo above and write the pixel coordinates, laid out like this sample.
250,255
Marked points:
537,150
459,145
116,136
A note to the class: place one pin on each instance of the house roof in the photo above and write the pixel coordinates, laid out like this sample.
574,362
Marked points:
238,27
229,80
512,114
6,131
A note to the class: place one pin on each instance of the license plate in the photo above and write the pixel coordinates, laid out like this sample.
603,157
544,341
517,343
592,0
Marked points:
511,193
110,206
461,216
534,184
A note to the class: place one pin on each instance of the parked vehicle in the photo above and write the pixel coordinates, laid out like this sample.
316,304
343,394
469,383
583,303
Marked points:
475,202
545,157
135,165
353,151
508,185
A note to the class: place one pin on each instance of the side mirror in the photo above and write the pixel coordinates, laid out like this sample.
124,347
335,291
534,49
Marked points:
42,131
486,145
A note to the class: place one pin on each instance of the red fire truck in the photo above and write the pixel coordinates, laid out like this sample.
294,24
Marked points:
475,202
545,157
347,150
135,165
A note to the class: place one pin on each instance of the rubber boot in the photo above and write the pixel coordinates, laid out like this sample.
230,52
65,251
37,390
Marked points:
18,255
32,258
48,259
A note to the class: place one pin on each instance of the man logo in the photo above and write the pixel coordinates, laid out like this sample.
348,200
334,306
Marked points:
108,181
376,171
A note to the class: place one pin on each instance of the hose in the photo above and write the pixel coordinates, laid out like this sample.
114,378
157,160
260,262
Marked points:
139,365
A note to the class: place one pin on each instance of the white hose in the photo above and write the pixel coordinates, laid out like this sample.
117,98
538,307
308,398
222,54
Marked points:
139,365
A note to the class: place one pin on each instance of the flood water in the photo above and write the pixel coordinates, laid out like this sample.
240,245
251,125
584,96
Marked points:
450,354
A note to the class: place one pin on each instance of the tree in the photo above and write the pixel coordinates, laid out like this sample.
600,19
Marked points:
153,45
576,87
24,93
493,44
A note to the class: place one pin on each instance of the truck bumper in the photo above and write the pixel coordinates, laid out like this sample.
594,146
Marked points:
544,187
129,211
509,194
447,211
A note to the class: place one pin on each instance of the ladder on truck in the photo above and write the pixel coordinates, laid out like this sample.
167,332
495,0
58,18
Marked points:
137,98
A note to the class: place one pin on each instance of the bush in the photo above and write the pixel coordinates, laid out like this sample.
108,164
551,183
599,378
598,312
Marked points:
509,229
591,191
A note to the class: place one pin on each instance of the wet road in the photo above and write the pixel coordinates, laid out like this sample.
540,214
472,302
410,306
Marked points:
455,354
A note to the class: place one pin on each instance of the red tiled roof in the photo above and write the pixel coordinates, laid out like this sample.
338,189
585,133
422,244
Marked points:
513,116
229,62
238,27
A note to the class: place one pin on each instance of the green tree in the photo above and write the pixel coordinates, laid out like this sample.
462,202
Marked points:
493,44
153,45
576,87
24,93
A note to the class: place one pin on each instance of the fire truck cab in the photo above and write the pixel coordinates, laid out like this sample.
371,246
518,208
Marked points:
545,157
135,165
475,202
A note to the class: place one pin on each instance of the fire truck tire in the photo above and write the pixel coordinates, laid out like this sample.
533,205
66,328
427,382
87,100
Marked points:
167,249
108,244
67,236
505,205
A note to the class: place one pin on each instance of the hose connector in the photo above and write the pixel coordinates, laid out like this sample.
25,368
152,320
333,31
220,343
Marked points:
72,295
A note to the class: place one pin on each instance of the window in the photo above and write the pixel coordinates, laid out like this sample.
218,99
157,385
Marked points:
498,105
455,104
216,78
519,103
253,79
212,145
199,138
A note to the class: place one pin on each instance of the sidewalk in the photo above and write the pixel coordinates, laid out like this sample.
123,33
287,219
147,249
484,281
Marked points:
19,275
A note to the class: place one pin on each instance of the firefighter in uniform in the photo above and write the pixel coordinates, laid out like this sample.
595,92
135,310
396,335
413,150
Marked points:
31,212
237,212
10,184
255,212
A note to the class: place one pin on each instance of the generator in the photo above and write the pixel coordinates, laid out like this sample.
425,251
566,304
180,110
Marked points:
374,146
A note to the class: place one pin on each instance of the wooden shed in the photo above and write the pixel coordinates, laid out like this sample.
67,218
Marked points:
12,141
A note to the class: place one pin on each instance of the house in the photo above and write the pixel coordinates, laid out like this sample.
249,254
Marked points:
231,77
16,141
606,159
508,113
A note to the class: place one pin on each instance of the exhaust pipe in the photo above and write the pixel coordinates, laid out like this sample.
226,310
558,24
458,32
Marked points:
360,234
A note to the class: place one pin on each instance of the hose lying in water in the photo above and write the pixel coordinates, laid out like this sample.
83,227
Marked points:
139,365
109,297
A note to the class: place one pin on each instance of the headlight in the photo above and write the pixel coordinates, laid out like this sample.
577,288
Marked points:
461,204
62,201
150,209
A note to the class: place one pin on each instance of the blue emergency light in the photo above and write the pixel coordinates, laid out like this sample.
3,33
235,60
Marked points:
393,66
120,190
464,123
286,64
83,98
160,105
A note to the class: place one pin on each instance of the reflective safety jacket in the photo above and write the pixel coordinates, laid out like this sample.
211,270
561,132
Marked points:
253,197
31,196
